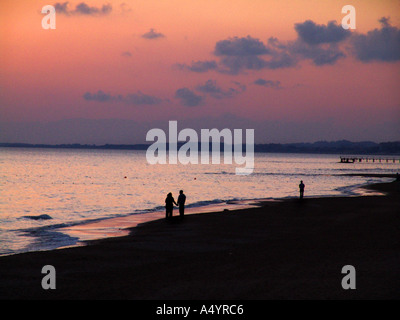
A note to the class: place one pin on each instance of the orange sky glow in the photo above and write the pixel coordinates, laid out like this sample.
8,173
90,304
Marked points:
45,74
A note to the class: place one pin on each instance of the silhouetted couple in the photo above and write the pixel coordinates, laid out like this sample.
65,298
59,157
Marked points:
169,204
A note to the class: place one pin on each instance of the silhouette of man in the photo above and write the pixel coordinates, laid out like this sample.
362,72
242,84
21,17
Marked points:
301,187
181,203
169,205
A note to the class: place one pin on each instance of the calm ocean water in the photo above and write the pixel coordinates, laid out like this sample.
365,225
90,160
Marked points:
45,190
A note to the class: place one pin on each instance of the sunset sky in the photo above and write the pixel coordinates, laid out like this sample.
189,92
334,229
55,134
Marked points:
113,69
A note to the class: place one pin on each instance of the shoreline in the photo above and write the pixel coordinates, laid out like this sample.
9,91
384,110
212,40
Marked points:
104,228
111,227
121,226
281,250
90,231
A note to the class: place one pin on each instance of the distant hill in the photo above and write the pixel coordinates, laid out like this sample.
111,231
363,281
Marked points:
336,147
342,146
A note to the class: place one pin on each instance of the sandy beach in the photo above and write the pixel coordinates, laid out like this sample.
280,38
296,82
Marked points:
280,250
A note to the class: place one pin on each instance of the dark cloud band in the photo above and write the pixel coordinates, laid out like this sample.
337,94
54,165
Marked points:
379,44
152,34
137,98
321,44
188,97
82,9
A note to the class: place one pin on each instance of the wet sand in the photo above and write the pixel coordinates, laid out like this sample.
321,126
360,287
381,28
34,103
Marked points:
281,250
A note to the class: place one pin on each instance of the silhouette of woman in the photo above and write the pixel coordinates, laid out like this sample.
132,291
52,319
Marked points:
169,205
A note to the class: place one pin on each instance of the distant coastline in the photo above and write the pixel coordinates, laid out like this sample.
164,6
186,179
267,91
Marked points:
320,147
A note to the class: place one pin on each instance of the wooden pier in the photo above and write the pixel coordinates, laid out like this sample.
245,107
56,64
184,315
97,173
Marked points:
378,159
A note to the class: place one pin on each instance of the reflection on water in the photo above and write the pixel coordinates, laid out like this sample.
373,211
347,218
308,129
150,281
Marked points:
118,227
45,189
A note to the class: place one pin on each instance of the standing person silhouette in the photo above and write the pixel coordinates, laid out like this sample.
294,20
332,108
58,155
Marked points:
169,205
181,203
301,187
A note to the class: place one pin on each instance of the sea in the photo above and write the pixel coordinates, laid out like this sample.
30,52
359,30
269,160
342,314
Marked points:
57,198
